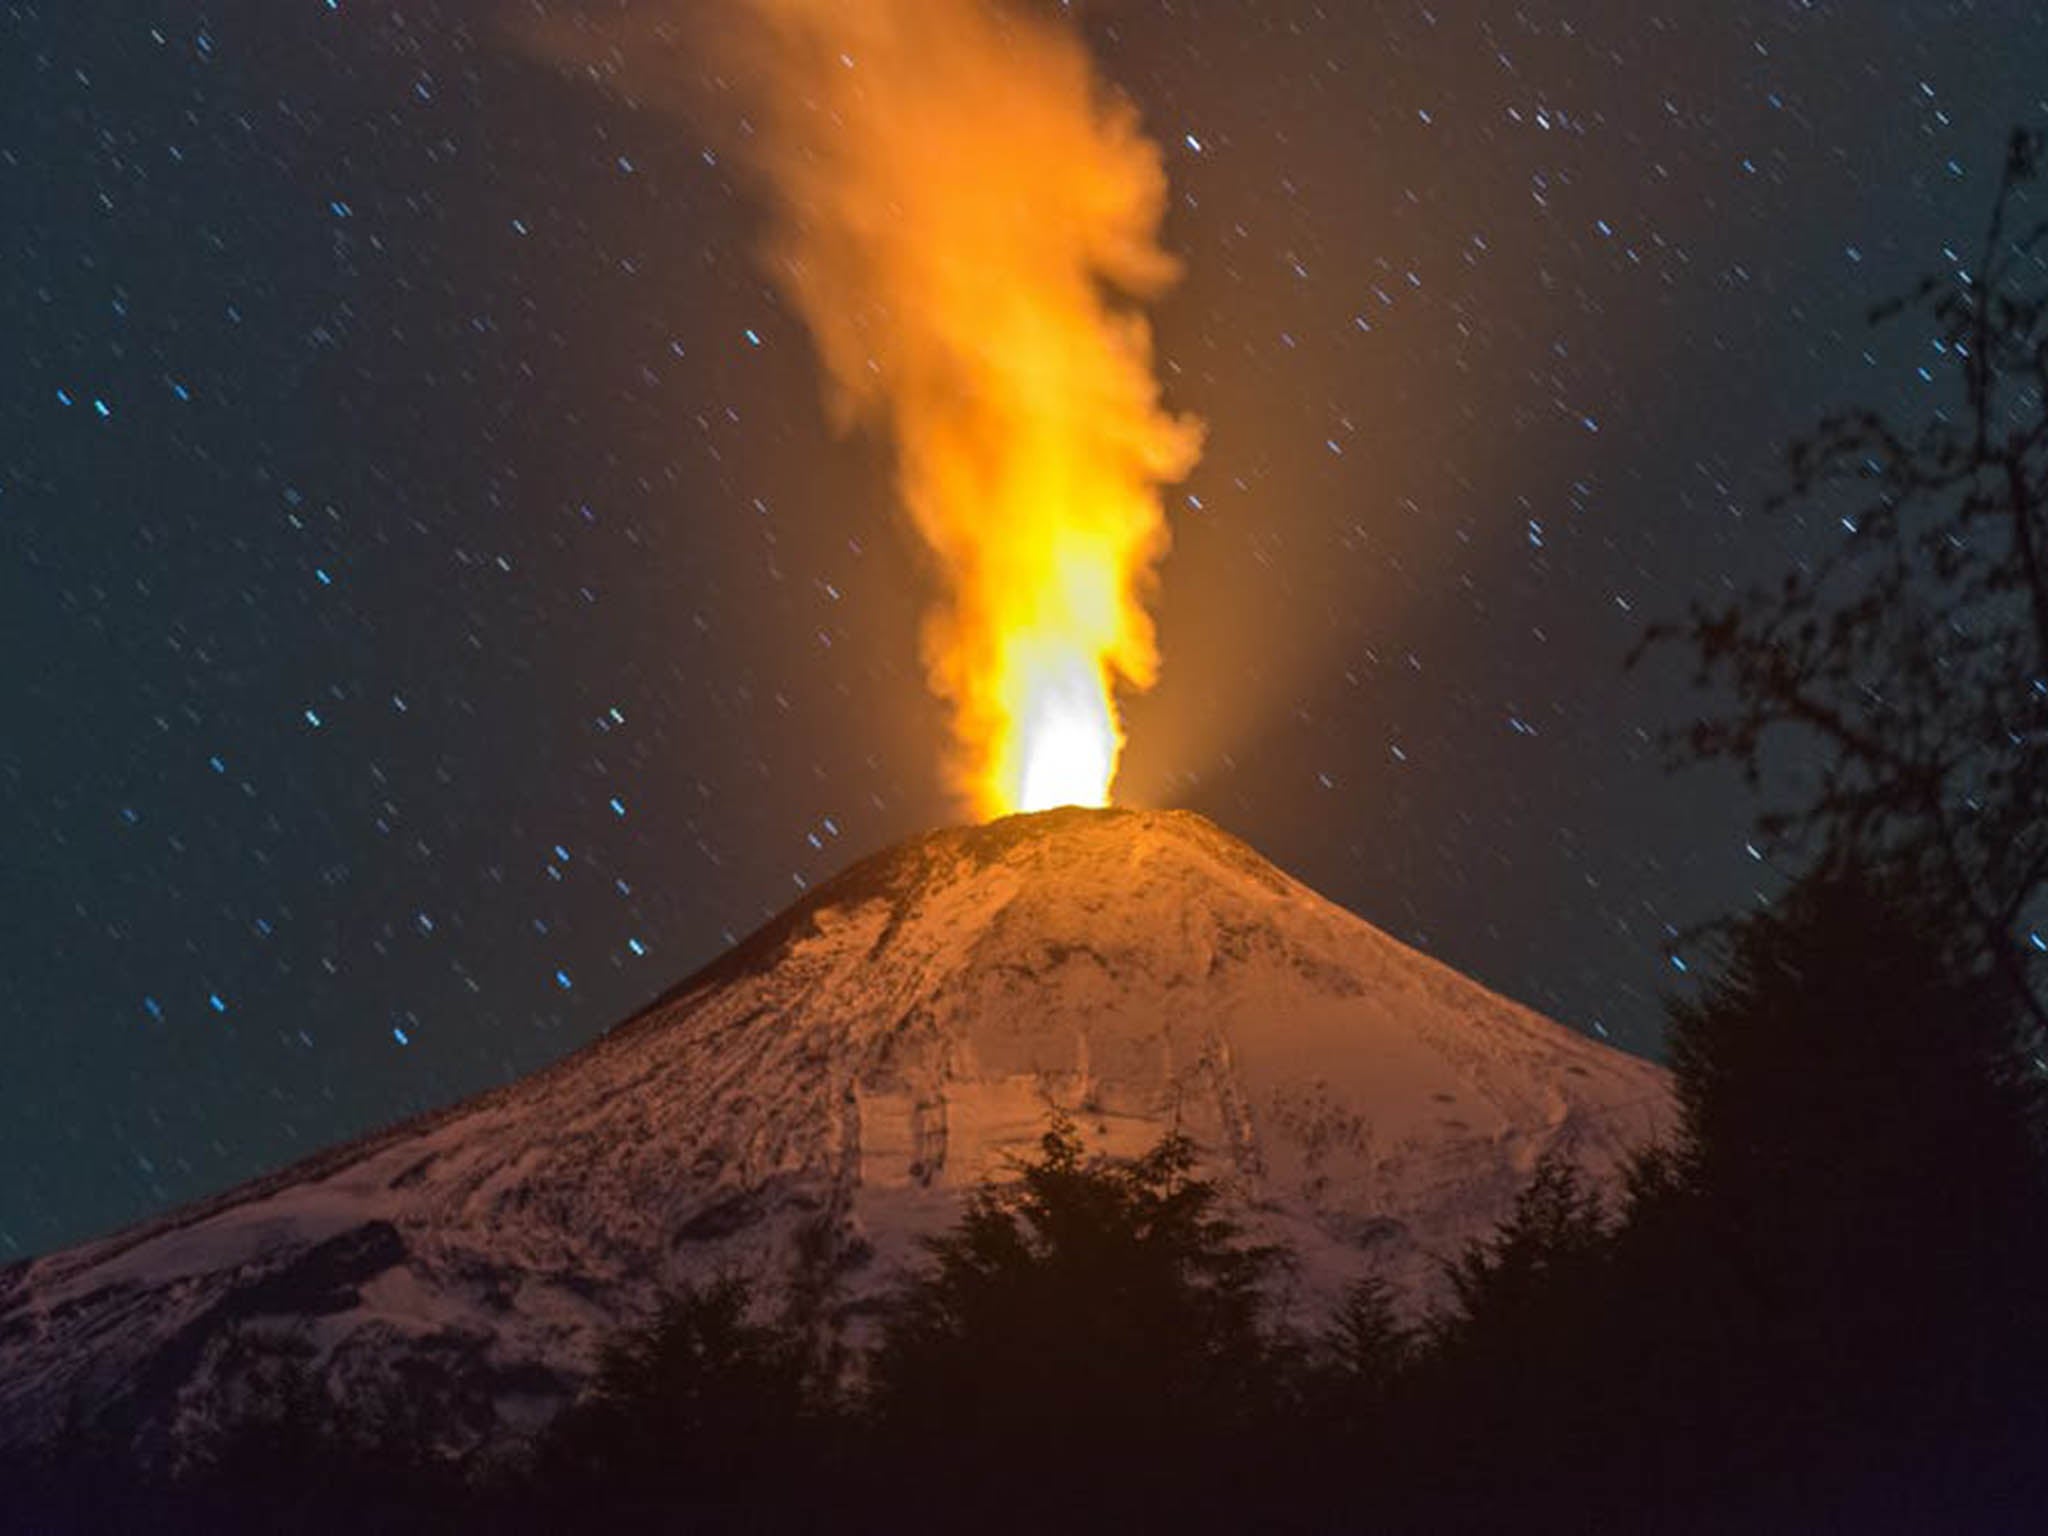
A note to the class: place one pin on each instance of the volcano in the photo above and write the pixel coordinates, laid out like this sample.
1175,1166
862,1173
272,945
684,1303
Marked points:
823,1096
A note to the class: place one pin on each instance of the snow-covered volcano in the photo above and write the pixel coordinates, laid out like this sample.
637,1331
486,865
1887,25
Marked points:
815,1101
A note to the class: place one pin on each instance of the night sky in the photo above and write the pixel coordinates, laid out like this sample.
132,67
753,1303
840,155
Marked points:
438,617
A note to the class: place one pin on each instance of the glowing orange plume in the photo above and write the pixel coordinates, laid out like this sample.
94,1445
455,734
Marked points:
964,217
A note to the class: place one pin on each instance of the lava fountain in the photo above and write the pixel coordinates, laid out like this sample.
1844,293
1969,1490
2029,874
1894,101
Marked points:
968,220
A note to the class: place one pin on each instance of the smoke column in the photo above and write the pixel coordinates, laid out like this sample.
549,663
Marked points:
966,218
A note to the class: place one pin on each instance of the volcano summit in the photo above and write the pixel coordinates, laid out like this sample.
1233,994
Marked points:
812,1104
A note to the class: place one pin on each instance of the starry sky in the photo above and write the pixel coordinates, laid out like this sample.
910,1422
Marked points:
438,616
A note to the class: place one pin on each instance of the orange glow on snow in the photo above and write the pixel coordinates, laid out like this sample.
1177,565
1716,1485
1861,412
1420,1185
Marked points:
967,219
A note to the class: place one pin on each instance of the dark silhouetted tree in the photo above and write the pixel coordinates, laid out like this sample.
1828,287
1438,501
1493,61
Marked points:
1556,1230
1844,1243
1092,1329
1346,1398
284,1452
1824,1299
696,1422
1857,1117
1502,1410
1368,1344
1912,642
1820,1304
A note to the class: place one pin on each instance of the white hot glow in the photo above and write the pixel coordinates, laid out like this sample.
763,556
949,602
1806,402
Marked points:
1069,748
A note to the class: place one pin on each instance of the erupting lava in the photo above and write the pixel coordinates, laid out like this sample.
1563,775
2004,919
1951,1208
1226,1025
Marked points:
966,217
1066,742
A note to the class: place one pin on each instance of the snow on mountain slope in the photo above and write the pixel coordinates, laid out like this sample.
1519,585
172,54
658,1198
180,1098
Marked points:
821,1097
